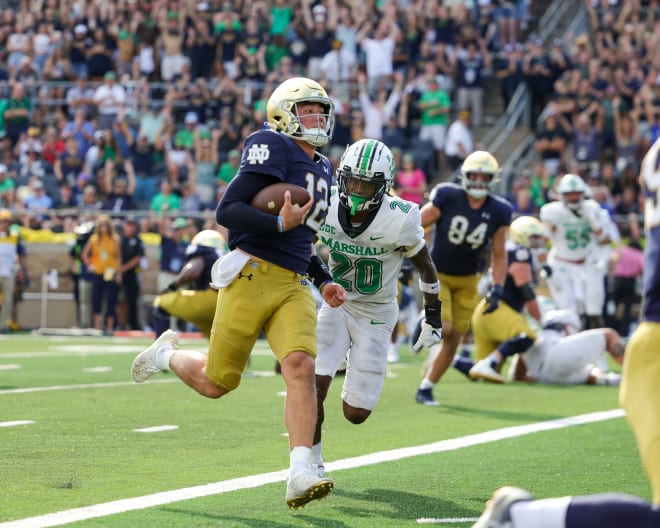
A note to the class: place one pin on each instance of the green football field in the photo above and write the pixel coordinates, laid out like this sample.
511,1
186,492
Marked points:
81,445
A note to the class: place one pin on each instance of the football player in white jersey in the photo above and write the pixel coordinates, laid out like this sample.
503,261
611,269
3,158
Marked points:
368,233
574,223
598,260
561,354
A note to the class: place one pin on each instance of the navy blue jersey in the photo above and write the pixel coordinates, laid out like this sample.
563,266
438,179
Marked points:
462,232
210,255
274,154
651,289
512,296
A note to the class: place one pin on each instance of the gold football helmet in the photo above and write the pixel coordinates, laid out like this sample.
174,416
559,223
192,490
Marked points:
527,231
479,162
209,238
282,112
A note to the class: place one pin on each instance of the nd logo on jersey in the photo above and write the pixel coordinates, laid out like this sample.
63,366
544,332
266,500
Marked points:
258,154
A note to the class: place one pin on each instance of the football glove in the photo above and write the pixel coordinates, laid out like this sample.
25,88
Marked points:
493,298
431,328
546,271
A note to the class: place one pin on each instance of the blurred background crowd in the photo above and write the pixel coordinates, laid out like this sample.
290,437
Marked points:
140,107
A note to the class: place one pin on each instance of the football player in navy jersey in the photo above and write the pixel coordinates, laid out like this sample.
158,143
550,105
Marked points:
506,331
639,396
466,217
196,303
263,281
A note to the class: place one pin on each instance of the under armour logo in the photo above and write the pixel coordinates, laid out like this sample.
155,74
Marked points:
485,215
258,154
241,276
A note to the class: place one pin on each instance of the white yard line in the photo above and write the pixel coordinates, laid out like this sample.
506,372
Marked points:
167,497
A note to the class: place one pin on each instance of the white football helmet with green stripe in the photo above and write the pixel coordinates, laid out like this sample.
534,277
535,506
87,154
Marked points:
364,175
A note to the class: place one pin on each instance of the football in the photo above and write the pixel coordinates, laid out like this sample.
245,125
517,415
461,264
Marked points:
271,198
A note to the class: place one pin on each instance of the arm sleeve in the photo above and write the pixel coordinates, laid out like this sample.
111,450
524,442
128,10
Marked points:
234,210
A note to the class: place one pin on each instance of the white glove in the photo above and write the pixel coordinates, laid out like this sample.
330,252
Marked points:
428,337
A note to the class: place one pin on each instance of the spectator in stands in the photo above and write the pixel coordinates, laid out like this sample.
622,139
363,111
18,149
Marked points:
100,54
377,40
33,166
410,182
78,48
472,63
586,142
628,142
200,44
16,113
320,22
37,203
90,202
110,98
551,141
379,109
508,71
338,67
538,75
435,105
7,185
206,166
119,196
172,26
227,171
27,73
166,199
80,96
459,143
80,129
71,162
102,257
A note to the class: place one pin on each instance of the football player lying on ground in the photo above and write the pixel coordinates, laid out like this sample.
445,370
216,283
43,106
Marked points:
639,396
196,304
262,281
368,233
563,355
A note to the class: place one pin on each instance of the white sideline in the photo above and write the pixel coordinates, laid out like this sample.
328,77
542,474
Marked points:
166,497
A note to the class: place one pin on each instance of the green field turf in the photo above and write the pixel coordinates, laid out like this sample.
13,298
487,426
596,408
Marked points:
81,447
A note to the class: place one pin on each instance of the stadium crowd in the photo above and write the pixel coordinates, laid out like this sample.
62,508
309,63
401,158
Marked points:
141,107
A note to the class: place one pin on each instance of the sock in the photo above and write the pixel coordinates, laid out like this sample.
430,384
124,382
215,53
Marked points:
316,458
544,513
299,458
463,365
163,358
426,384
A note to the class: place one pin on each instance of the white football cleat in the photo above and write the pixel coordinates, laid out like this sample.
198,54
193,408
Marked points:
149,361
305,487
483,370
496,514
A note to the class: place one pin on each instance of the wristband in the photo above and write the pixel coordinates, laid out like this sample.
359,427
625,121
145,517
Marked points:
323,285
318,271
429,287
280,224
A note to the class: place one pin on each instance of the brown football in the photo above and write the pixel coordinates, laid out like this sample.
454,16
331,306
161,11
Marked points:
271,198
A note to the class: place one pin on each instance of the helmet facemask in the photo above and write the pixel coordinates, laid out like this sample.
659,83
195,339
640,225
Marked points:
478,188
364,175
284,113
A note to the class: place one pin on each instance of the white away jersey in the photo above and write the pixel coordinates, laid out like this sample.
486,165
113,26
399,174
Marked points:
573,234
368,265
